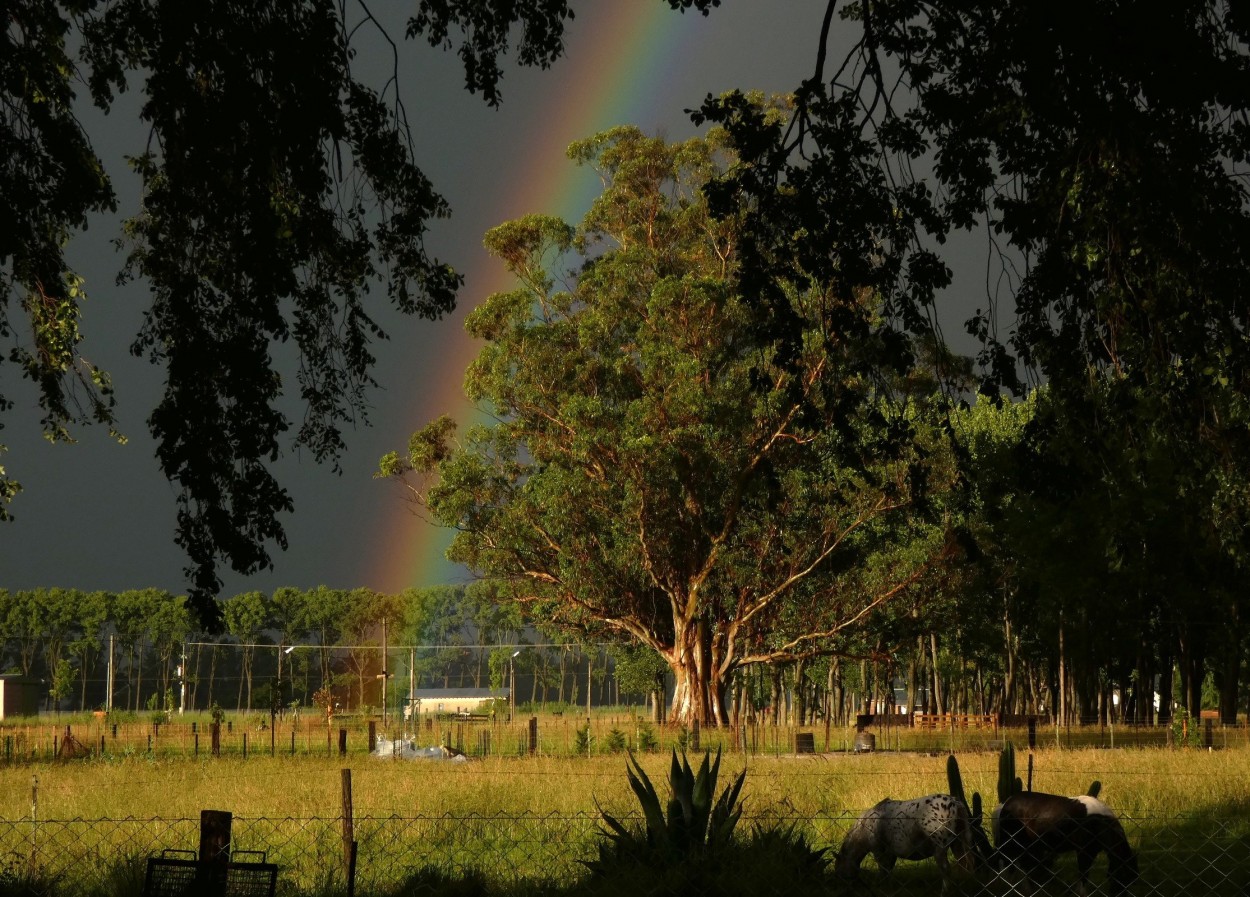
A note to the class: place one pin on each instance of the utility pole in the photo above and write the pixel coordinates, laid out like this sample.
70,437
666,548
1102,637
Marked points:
512,686
182,682
385,674
108,698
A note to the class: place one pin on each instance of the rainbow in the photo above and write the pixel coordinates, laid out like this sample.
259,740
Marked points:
621,54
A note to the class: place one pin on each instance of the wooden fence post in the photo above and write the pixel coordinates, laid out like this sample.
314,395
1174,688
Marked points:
349,835
214,850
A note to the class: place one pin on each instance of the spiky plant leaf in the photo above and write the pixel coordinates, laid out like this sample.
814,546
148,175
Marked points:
701,798
954,780
1008,782
647,797
725,815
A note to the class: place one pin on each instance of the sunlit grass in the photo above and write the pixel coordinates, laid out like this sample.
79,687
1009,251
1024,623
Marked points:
1145,782
515,818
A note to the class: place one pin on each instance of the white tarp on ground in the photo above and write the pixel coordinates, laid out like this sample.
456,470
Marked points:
406,749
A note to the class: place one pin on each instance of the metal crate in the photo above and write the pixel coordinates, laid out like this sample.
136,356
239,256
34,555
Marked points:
170,875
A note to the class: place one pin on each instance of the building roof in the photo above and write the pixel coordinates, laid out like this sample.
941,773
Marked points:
451,694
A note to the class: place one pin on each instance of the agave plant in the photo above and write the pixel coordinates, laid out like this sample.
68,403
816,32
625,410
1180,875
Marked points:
976,812
693,827
1008,782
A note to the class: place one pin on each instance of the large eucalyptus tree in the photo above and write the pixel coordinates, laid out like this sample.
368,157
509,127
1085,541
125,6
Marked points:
664,466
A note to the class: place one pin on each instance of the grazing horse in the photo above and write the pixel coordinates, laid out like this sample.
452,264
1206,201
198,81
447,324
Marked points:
1031,829
910,830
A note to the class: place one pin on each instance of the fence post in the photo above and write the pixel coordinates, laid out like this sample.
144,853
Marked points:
215,729
533,735
373,735
694,736
342,742
349,835
214,850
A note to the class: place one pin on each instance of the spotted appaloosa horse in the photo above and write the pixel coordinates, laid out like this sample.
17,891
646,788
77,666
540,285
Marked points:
910,830
1031,829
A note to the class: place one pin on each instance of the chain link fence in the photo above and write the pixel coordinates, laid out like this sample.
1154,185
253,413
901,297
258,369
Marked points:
519,854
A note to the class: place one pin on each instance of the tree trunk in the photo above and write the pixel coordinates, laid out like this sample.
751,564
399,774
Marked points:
800,693
1166,673
701,675
837,690
912,685
1063,692
1010,701
1230,674
939,704
1192,665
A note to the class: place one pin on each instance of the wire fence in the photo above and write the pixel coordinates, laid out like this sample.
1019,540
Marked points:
311,735
531,853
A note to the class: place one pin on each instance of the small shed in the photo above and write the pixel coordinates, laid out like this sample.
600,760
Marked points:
454,700
19,695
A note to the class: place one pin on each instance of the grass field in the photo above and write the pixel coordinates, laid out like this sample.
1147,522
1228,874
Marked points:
521,818
1136,782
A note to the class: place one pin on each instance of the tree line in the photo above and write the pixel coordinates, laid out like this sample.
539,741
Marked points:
1004,656
63,636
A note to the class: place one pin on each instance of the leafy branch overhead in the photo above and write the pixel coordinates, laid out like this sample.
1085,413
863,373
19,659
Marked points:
278,189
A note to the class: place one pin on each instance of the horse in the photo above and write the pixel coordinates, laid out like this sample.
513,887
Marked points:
910,830
1032,828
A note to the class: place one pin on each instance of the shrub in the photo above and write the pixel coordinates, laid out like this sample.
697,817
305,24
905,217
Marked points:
692,847
646,738
615,742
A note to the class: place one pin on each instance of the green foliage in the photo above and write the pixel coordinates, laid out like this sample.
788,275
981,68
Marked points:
1119,236
616,741
694,826
639,669
1186,731
583,741
646,737
663,468
17,879
1008,782
692,847
250,235
976,811
954,780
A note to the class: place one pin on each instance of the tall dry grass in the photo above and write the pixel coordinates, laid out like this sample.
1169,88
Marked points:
1140,783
